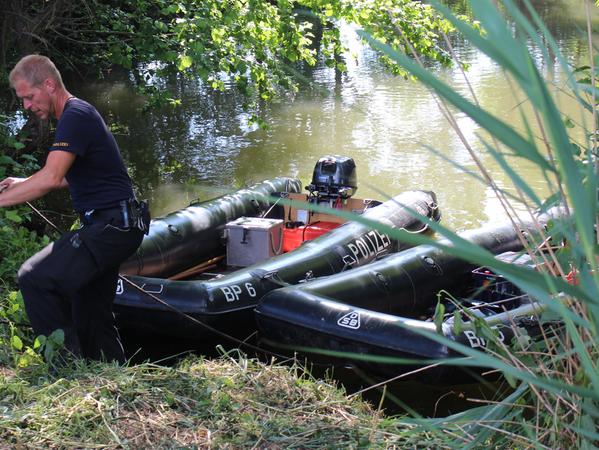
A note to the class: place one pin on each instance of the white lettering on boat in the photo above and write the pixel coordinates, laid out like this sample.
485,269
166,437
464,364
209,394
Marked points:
232,293
368,246
250,289
480,342
119,287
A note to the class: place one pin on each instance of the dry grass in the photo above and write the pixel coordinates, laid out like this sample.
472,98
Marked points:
223,403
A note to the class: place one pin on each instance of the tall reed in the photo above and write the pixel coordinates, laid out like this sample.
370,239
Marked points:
556,385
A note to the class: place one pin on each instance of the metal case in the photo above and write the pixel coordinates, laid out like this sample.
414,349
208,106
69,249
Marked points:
253,239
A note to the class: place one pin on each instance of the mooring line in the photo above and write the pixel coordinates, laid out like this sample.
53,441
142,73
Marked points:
199,322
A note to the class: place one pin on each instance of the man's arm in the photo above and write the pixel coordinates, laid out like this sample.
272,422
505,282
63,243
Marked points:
48,178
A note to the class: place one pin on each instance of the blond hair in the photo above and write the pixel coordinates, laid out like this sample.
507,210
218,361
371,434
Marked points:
35,69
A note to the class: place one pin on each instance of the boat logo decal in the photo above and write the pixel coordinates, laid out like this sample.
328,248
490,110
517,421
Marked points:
350,320
349,260
119,287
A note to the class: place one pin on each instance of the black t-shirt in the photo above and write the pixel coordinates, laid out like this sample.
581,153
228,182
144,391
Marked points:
98,178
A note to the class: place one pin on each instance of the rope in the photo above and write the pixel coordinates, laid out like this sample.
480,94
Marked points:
434,207
270,209
199,322
421,230
276,251
44,218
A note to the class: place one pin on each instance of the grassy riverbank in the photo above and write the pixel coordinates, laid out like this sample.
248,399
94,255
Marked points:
230,402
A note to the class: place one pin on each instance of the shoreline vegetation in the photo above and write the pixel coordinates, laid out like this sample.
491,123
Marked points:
238,402
230,402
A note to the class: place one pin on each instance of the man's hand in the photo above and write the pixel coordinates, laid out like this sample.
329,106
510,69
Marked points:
4,184
48,178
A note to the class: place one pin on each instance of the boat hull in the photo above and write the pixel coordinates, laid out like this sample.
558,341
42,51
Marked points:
216,301
406,283
381,344
377,309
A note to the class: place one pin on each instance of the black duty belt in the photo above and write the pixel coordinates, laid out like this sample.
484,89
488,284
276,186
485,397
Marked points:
129,214
113,216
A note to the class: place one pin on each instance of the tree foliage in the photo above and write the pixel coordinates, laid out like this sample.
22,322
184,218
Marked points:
251,44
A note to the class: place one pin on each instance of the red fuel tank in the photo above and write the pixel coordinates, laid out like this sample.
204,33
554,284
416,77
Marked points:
293,237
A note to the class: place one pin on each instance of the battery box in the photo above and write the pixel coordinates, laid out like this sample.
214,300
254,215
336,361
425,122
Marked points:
253,239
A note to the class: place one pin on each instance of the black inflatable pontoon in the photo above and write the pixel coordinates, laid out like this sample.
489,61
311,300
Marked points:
227,300
378,309
192,235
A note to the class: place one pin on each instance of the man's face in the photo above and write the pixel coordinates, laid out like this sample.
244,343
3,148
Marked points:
36,99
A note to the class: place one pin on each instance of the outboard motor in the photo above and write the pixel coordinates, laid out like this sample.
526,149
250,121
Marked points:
334,178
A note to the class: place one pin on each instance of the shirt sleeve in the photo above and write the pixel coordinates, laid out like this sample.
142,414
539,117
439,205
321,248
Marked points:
72,133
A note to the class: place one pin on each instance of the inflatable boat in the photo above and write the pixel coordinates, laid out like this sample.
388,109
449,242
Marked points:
284,246
383,309
190,236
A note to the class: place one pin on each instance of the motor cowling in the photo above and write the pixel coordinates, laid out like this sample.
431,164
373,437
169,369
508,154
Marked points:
334,177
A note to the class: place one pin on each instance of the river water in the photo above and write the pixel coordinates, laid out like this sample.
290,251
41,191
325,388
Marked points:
393,128
387,124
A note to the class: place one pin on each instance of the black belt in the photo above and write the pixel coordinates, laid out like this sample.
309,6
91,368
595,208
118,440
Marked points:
116,216
129,214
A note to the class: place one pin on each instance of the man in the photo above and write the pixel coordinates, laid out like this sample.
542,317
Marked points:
70,284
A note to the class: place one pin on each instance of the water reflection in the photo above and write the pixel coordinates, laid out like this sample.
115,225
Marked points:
387,124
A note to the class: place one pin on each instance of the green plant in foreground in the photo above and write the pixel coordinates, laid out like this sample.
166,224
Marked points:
556,397
17,243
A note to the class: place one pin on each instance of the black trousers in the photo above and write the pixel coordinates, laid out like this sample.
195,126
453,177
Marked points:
71,284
